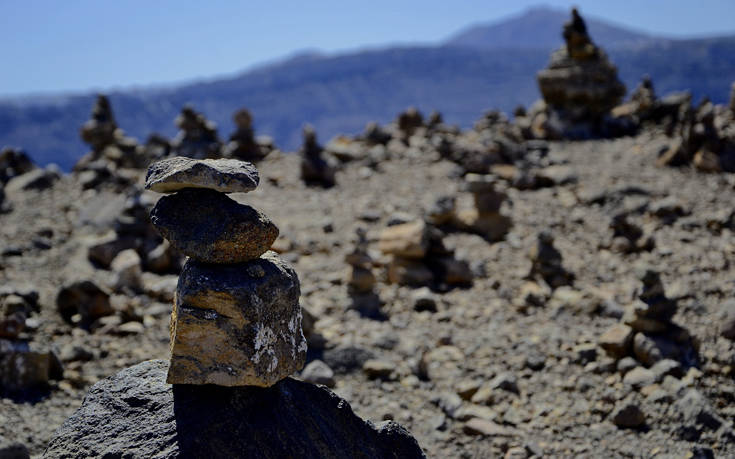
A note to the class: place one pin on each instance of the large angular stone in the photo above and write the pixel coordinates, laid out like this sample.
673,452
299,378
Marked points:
210,227
26,366
224,175
136,414
407,240
236,325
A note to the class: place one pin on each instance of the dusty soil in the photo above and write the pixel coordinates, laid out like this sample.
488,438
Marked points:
549,401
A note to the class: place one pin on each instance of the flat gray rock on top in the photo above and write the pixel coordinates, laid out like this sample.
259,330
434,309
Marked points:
223,175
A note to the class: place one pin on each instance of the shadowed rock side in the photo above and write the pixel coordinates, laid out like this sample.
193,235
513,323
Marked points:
136,414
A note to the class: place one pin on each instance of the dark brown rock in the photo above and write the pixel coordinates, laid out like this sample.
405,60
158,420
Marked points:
210,227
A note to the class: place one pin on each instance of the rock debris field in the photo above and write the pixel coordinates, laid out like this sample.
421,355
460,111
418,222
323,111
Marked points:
499,291
474,370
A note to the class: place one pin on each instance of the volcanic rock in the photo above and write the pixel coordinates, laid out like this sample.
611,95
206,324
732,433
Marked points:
224,175
236,324
208,226
197,137
136,413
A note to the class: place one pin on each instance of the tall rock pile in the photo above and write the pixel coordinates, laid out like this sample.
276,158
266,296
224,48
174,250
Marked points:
243,145
360,278
579,87
315,169
236,336
111,149
197,136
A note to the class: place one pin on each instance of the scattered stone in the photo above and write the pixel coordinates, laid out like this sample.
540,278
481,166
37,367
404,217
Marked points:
378,369
423,299
26,366
617,340
37,179
477,426
84,300
628,415
639,377
318,372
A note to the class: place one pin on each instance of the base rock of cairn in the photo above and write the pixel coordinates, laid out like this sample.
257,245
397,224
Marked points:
136,414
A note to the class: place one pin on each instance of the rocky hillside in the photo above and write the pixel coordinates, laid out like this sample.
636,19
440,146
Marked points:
340,94
498,365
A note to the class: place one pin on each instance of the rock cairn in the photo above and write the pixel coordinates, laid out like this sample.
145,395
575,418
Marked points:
14,162
110,146
315,170
704,137
628,237
408,122
418,257
236,319
26,364
360,278
243,144
579,87
546,262
647,331
485,219
197,136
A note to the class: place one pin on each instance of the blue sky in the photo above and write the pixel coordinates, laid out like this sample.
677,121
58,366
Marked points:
79,45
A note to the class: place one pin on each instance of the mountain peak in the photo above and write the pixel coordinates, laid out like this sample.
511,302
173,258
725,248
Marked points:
539,27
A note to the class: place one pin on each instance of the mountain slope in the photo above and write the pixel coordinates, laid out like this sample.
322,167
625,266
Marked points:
540,28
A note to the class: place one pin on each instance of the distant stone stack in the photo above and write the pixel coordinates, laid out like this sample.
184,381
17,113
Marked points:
236,319
579,87
197,136
360,278
485,219
315,170
546,262
704,137
647,331
242,144
418,257
108,142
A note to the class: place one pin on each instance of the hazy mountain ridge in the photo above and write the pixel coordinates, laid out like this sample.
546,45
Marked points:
340,94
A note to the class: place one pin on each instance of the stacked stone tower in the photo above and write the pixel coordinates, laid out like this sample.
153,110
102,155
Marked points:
236,319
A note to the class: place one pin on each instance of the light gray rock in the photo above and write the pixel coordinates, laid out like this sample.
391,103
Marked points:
223,175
